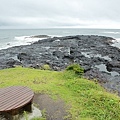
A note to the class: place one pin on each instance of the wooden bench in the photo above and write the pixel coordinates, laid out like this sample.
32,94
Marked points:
15,99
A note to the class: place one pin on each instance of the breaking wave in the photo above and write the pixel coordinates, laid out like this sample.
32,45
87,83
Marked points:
111,32
22,40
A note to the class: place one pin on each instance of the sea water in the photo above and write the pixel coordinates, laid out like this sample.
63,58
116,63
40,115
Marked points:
16,37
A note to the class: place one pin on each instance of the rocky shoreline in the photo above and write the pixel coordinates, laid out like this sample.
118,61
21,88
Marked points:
94,53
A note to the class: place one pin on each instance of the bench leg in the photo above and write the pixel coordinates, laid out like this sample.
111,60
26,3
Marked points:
28,107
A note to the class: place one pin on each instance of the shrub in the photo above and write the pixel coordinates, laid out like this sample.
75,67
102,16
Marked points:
76,68
46,67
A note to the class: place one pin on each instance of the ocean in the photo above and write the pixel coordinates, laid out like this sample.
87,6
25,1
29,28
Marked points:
16,37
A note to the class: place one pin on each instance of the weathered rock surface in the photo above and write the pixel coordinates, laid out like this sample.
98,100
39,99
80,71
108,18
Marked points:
94,53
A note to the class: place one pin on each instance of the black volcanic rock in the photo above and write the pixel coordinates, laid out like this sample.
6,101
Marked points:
90,51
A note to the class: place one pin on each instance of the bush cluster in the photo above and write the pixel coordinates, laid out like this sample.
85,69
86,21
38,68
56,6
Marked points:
76,68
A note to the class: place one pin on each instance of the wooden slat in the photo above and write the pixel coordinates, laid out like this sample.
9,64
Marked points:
10,90
21,103
14,97
7,104
18,104
12,94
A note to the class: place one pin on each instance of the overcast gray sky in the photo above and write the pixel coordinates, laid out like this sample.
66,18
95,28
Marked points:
59,13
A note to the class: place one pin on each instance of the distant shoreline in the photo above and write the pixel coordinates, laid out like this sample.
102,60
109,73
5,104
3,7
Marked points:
17,37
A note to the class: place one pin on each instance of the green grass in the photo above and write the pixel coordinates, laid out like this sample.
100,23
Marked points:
87,100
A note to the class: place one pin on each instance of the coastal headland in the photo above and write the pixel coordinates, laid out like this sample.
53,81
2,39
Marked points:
100,60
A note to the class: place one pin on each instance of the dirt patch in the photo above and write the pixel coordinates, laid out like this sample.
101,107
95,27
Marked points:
55,109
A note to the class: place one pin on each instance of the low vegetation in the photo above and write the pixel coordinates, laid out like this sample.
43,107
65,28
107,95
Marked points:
86,99
76,69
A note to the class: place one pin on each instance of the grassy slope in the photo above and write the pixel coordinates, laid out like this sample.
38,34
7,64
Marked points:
88,100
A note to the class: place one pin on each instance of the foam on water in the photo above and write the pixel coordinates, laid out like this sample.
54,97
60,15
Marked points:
111,32
116,43
21,40
26,39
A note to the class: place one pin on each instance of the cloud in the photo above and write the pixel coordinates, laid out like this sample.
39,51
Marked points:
59,13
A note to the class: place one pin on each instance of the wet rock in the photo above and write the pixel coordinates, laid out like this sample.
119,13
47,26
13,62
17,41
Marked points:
58,54
96,74
23,56
113,66
40,36
9,63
